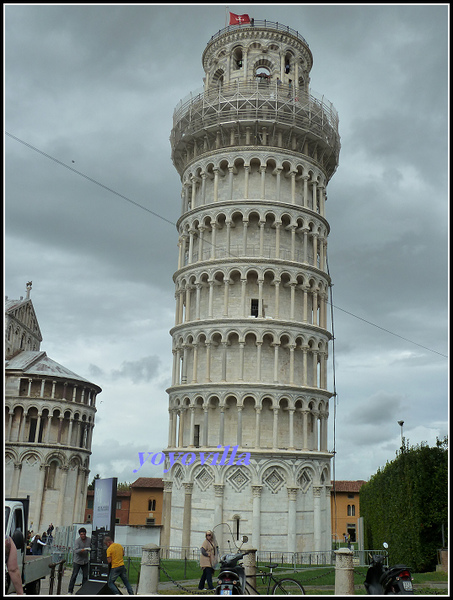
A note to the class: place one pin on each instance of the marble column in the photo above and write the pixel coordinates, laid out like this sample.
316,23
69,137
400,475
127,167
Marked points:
256,515
292,521
187,519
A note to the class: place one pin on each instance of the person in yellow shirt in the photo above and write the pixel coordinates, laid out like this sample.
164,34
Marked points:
115,558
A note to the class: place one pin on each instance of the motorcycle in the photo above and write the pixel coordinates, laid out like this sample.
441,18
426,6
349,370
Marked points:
231,579
382,580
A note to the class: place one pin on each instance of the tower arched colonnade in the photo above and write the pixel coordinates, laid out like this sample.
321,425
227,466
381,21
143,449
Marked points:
250,175
258,355
251,420
49,424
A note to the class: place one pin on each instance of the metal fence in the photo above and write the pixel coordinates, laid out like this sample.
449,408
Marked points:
285,560
256,100
257,23
65,552
293,560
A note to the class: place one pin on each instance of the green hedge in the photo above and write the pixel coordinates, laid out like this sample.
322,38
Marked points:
406,503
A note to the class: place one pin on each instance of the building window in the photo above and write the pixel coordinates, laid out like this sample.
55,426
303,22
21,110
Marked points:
150,521
118,505
196,436
151,505
237,58
41,431
351,496
32,432
262,74
90,502
254,307
351,510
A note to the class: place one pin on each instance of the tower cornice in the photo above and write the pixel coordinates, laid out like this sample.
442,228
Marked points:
257,323
244,203
240,388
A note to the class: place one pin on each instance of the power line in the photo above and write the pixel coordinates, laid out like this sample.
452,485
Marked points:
138,205
89,178
391,332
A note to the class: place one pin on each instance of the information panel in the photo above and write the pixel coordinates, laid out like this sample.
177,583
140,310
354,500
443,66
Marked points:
104,509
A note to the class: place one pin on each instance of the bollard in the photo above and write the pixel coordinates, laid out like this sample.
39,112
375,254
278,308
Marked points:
344,572
249,563
51,578
60,576
149,570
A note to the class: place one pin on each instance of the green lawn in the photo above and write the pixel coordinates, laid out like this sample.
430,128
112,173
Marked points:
310,577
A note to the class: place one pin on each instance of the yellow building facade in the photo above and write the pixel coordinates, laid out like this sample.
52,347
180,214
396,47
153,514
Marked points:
146,501
345,510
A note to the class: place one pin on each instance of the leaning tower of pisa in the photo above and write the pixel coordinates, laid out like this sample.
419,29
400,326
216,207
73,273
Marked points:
248,402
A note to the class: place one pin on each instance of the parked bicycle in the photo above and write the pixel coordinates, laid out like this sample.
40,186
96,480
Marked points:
232,580
284,586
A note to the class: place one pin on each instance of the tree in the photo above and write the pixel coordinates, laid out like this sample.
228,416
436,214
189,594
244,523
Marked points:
406,505
91,486
123,487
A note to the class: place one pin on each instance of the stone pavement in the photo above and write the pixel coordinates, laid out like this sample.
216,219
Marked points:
45,584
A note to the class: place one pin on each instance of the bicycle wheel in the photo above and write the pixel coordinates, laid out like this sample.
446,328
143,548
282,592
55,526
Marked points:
288,587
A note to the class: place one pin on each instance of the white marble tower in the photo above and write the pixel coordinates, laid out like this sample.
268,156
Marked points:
255,151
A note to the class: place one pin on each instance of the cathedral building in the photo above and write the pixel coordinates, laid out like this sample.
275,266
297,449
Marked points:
255,151
49,422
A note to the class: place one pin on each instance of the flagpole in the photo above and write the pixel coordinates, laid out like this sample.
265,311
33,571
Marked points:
226,15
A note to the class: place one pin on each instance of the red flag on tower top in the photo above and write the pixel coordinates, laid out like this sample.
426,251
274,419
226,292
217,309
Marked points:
239,19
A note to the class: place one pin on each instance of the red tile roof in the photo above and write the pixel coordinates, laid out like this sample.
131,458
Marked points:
348,486
148,482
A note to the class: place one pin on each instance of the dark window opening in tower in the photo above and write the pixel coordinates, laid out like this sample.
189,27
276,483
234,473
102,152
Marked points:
82,435
196,436
237,528
262,74
32,433
218,78
254,309
40,432
288,59
237,58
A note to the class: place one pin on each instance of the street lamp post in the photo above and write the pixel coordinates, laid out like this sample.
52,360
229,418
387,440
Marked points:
401,423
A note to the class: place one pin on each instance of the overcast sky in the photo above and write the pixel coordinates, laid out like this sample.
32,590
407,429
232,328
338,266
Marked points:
94,87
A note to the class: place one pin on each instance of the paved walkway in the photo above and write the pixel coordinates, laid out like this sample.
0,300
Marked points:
45,584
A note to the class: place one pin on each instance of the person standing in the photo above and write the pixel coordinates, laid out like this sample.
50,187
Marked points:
81,556
208,560
12,566
37,545
115,558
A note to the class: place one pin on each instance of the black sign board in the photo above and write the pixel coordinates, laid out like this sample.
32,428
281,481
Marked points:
104,510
